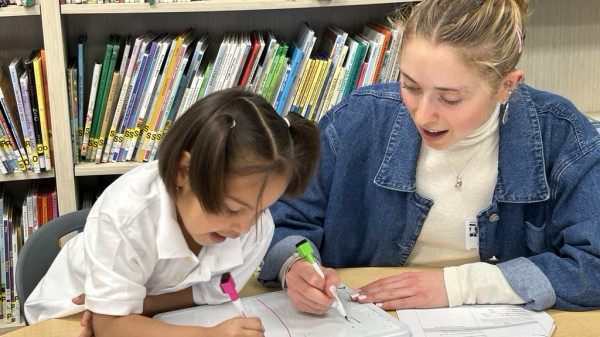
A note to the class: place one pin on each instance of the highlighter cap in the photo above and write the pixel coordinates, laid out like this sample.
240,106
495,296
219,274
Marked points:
305,250
228,286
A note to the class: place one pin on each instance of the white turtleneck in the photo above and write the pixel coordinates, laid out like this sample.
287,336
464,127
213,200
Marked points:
444,237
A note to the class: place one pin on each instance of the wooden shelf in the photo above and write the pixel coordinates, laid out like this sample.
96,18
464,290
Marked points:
16,176
14,10
93,169
212,5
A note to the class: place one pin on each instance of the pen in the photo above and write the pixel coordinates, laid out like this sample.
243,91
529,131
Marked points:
305,251
228,286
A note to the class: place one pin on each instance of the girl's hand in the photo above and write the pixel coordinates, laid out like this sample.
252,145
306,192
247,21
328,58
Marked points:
308,291
238,327
86,317
407,289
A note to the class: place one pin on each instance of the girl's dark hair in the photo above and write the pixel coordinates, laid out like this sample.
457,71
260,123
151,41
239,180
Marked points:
234,132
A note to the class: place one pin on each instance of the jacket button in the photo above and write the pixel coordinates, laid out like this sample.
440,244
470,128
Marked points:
494,217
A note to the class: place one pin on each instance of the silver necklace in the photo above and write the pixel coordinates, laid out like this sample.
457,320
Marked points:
458,183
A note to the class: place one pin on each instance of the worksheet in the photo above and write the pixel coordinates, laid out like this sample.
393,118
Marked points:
477,321
281,319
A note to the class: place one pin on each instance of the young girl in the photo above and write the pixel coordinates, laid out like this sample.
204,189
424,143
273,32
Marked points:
160,237
459,167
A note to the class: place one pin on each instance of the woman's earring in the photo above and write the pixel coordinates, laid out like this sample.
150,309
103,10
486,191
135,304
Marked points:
178,188
505,104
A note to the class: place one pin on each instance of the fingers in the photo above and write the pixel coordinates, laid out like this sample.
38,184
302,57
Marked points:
409,289
307,289
79,299
253,323
86,332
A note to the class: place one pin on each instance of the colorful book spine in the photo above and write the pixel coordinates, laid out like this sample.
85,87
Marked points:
27,108
10,115
39,89
108,66
90,110
134,125
16,69
124,96
80,86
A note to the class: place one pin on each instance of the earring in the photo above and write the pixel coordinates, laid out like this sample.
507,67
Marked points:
505,110
178,188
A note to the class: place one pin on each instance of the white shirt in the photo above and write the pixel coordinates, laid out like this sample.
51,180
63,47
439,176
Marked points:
132,246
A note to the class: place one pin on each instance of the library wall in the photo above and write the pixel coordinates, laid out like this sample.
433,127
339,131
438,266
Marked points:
562,50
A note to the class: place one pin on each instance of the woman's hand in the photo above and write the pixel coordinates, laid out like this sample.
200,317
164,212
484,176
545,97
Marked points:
308,291
407,289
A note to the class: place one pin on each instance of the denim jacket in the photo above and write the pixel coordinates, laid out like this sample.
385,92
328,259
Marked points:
542,228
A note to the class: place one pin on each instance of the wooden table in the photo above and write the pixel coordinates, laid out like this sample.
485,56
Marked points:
568,323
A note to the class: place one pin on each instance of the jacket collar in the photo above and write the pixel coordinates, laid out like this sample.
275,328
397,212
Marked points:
521,172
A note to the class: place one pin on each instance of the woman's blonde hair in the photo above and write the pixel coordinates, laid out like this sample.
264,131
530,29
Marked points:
488,34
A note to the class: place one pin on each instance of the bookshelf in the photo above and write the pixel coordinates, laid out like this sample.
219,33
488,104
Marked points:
561,50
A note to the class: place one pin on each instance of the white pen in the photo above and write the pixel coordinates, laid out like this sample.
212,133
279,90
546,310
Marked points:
305,251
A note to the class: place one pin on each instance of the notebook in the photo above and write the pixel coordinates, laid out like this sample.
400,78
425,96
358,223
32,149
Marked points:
280,318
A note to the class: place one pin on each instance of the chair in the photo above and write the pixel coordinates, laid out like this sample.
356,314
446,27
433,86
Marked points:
40,250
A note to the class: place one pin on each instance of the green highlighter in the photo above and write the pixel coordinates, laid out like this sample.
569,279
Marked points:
305,250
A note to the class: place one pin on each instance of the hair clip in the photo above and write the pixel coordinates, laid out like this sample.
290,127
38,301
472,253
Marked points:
519,38
287,121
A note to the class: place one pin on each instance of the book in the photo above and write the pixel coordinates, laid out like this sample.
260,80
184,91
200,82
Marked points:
255,64
10,147
218,61
128,65
271,45
243,57
138,118
357,48
333,86
375,54
316,88
33,101
145,48
10,116
89,117
106,78
392,51
383,39
72,106
107,115
16,70
189,82
305,41
81,43
251,60
168,114
332,41
274,71
159,101
31,125
303,85
49,159
40,85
